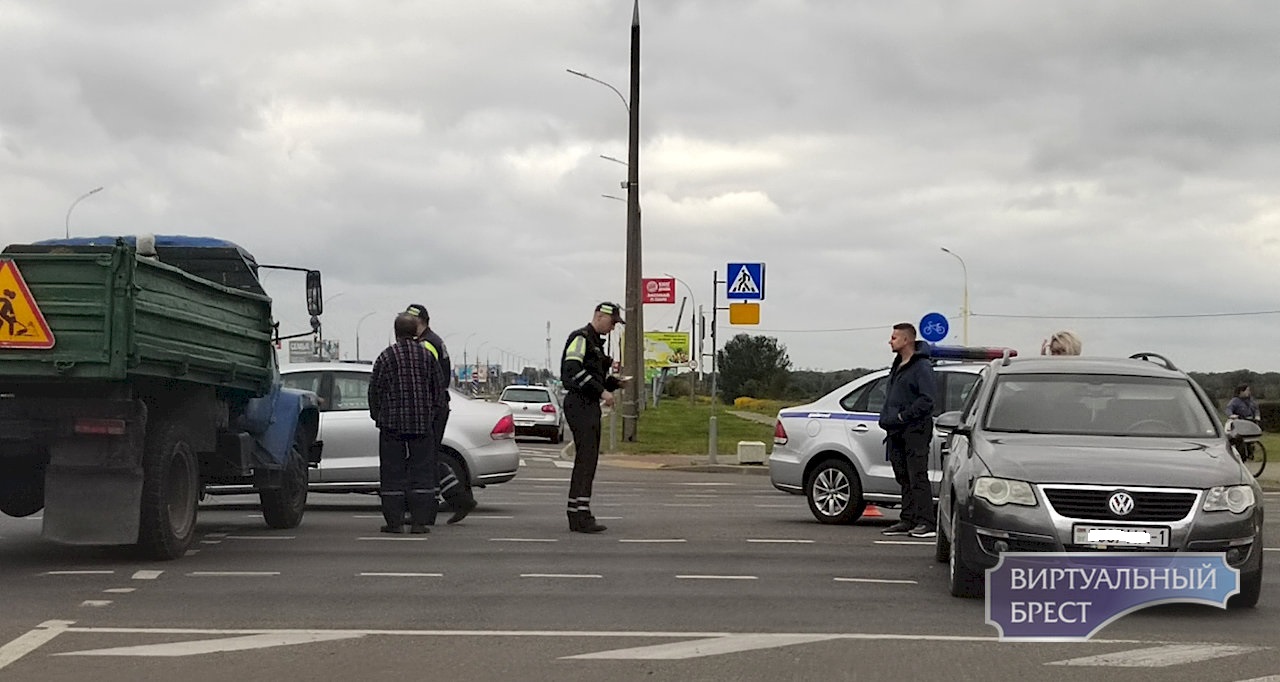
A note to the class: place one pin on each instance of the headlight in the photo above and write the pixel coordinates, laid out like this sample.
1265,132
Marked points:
1000,491
1236,499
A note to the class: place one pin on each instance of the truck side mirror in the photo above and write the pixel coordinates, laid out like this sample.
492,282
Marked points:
315,300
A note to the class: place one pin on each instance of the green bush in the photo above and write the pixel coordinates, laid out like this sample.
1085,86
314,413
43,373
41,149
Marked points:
1270,412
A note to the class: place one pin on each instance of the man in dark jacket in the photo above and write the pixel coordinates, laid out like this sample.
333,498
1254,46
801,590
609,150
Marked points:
584,371
403,390
907,419
456,493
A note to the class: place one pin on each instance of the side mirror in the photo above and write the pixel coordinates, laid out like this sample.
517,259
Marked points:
949,422
315,299
1243,428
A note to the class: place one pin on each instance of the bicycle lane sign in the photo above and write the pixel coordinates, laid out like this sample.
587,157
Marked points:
934,327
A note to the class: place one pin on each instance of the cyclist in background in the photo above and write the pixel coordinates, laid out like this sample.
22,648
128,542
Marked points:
1243,406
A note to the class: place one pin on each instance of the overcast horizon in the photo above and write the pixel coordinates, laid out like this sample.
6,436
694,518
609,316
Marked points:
1109,168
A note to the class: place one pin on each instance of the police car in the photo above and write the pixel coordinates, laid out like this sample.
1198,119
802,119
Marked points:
832,450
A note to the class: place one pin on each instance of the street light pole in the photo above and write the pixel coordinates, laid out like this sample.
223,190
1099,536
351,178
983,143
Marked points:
360,322
86,195
964,310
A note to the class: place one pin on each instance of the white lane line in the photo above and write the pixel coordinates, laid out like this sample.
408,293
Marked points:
96,603
191,552
1271,549
392,538
80,573
609,518
562,465
209,646
488,516
233,574
368,516
546,480
903,542
522,540
32,640
120,590
561,575
717,577
261,537
526,492
211,542
780,542
147,575
654,541
704,647
672,504
702,495
876,580
708,485
1268,678
1160,656
776,506
401,575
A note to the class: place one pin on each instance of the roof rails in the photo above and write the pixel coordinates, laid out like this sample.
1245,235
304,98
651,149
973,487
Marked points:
1148,357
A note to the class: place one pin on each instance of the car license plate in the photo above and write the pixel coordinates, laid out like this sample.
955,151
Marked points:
1125,536
523,423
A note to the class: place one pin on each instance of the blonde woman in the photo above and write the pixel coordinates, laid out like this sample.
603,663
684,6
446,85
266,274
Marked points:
1061,343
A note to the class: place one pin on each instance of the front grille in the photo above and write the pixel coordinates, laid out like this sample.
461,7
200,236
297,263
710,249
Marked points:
1148,506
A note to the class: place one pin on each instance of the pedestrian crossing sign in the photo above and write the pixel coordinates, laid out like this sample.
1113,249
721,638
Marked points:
745,282
21,323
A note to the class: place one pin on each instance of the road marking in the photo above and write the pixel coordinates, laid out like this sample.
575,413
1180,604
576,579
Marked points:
672,504
1271,549
261,537
876,580
80,573
609,518
401,575
147,575
545,480
561,575
776,506
211,542
709,484
903,542
526,492
369,516
32,640
704,647
233,574
781,542
96,603
702,495
717,577
191,552
392,538
210,646
1161,656
522,540
1268,678
120,590
654,541
488,516
562,465
223,535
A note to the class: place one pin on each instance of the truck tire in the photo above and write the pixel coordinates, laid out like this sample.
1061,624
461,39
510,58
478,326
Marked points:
21,488
283,507
170,492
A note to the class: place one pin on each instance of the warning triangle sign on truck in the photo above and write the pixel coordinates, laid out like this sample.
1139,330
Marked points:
21,323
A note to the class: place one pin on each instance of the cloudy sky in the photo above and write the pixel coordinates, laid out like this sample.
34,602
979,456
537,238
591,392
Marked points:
1107,167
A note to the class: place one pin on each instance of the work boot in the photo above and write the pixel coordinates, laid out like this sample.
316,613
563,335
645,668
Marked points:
588,524
461,508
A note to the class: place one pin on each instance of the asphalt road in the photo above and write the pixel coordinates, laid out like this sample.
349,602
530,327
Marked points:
699,577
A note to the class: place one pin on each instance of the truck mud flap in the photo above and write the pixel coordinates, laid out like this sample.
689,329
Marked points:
92,507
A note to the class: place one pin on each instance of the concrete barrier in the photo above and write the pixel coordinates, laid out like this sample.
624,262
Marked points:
751,452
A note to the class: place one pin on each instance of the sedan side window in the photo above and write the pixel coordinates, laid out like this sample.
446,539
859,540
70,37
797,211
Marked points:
971,399
350,392
868,398
959,386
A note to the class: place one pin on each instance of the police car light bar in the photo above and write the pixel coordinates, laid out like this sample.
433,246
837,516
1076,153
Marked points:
979,353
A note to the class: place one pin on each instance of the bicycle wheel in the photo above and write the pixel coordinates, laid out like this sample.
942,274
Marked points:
1254,456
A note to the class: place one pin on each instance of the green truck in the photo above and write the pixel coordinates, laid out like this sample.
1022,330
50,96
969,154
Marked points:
134,372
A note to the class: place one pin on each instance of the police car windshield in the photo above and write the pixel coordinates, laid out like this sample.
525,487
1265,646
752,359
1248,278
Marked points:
1098,406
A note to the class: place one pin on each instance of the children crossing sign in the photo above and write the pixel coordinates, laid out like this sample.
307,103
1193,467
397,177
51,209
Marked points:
21,324
745,281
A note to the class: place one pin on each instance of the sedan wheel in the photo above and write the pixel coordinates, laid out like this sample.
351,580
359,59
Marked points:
834,492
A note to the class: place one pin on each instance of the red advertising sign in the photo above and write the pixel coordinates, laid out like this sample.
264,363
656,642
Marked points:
659,289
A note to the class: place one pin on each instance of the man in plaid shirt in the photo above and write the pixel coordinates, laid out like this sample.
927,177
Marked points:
403,395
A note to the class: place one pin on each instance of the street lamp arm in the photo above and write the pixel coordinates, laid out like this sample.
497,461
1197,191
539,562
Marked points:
86,195
964,312
597,80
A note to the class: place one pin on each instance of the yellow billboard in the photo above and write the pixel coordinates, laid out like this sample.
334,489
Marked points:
666,349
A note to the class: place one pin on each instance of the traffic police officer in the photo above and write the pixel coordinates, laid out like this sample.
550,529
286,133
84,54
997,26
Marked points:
454,492
584,371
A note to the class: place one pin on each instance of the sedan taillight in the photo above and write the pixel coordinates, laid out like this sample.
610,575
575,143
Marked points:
779,433
505,428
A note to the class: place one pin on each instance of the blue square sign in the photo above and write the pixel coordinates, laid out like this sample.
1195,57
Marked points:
745,282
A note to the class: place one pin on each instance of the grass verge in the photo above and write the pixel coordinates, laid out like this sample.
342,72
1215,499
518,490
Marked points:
675,427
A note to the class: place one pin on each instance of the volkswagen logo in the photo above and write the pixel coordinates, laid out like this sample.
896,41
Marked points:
1120,503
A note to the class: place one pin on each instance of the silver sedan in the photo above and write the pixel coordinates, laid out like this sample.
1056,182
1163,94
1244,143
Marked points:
479,441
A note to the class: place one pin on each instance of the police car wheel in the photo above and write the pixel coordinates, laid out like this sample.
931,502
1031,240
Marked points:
834,492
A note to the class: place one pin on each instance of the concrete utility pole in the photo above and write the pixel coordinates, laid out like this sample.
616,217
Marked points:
634,351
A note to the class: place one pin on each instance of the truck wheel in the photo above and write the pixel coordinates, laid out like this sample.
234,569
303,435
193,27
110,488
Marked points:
21,488
170,492
283,506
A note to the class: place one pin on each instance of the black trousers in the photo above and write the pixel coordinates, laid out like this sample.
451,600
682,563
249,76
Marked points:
407,476
909,455
453,491
583,415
